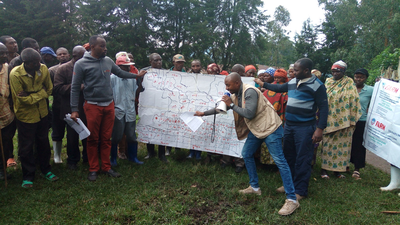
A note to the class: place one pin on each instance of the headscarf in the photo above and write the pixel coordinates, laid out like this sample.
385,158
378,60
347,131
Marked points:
339,65
271,71
291,66
260,72
249,67
86,46
281,73
213,68
317,73
224,72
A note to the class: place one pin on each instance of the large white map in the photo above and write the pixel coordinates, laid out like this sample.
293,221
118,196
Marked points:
167,94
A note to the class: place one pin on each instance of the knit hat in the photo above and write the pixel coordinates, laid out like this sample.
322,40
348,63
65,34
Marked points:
271,71
249,67
260,72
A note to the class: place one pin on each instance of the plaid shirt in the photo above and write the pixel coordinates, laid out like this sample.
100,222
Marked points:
6,114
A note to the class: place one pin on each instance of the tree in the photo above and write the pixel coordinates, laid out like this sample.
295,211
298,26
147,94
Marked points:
46,21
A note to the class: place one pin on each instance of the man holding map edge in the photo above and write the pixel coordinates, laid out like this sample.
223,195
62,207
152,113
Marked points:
256,120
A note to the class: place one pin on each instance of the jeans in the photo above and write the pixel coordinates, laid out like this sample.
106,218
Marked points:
274,144
299,150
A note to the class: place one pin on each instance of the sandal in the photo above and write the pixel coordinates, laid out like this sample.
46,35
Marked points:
325,176
356,175
339,175
11,162
122,155
27,184
50,176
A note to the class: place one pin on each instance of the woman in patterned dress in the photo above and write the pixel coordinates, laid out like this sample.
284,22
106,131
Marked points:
278,100
344,112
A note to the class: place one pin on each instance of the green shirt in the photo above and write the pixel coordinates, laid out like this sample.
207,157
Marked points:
32,108
365,98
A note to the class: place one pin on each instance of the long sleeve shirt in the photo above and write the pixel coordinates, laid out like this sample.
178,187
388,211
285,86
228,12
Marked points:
32,108
305,98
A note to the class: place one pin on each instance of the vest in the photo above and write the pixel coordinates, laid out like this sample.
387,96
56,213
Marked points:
263,124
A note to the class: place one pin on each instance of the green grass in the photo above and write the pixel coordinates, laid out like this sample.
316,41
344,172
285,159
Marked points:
188,192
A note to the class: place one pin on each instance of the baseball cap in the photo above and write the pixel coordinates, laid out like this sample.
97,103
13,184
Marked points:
47,50
178,58
362,71
123,61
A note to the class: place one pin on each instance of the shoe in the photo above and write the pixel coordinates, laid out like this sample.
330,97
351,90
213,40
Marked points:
72,166
339,175
57,145
112,173
163,159
137,161
147,156
190,156
299,197
250,190
132,153
239,169
122,155
11,162
92,176
280,189
288,208
356,175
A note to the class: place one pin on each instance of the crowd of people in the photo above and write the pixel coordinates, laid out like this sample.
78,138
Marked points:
290,111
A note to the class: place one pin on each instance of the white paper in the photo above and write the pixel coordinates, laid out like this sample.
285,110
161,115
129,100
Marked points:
169,94
78,126
382,130
194,122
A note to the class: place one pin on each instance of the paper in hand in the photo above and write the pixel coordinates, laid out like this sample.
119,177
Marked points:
193,122
78,126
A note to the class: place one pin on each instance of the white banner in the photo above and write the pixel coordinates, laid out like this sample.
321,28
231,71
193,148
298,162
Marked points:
167,94
382,130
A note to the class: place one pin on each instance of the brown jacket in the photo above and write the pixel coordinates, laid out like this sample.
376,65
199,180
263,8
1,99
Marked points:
62,88
263,124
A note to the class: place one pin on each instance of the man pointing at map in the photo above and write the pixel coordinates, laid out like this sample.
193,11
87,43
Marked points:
256,120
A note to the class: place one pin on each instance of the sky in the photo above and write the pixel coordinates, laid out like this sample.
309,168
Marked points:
300,11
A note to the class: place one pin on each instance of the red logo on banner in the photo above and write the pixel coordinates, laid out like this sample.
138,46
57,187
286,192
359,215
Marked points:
380,125
391,88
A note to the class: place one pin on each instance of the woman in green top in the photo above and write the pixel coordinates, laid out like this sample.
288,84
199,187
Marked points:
357,149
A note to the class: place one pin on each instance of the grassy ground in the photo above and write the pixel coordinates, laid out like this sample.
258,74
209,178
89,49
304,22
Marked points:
189,192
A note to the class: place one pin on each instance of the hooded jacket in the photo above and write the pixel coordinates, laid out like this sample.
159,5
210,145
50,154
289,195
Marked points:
95,76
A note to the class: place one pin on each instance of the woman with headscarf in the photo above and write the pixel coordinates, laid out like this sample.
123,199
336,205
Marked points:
278,100
260,75
250,71
213,68
344,112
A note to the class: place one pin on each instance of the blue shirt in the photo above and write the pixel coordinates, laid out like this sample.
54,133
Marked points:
365,97
124,93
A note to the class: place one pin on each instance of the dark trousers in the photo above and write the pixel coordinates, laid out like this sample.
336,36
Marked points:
299,150
74,155
58,126
7,135
28,135
358,151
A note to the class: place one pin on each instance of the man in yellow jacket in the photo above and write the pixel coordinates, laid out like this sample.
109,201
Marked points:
30,87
